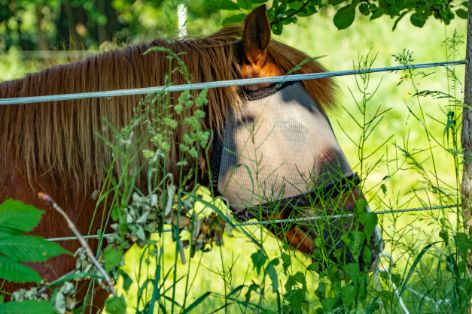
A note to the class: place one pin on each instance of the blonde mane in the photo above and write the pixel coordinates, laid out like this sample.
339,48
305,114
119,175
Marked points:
59,139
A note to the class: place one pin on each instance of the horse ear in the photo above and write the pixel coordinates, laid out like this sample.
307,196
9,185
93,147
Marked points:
256,35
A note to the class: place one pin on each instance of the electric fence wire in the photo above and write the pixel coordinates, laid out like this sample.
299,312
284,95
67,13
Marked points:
288,220
218,84
243,82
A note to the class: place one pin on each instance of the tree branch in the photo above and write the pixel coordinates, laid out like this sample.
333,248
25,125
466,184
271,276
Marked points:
75,231
304,5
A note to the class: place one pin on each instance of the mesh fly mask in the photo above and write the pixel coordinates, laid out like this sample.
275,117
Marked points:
279,147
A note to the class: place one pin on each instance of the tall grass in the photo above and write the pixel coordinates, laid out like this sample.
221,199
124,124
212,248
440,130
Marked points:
400,132
282,281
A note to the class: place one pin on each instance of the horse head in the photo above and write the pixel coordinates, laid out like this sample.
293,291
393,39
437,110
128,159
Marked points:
278,157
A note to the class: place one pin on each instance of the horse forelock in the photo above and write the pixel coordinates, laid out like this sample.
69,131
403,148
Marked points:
59,139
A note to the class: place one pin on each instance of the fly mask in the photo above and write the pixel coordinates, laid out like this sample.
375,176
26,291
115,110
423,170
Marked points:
279,147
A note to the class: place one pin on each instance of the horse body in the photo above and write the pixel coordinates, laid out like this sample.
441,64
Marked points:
53,148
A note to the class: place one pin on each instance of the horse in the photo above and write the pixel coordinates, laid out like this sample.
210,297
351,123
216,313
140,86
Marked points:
51,147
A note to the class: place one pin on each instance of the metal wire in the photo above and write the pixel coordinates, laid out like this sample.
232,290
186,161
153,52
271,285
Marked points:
89,236
288,220
227,83
245,82
313,218
217,84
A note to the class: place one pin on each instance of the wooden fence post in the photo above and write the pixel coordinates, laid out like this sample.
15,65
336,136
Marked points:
466,136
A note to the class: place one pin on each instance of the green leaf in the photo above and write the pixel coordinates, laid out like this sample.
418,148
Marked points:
245,4
11,270
361,206
364,9
272,272
115,305
253,287
356,241
258,260
77,277
417,20
313,267
462,13
321,290
367,256
351,270
369,221
224,5
443,234
197,302
234,291
328,305
112,257
413,266
286,261
233,19
17,218
384,188
345,17
127,280
277,28
296,300
294,280
309,10
348,294
202,98
462,244
26,307
300,277
376,13
30,248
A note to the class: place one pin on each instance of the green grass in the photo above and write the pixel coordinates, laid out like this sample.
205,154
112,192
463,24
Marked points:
230,266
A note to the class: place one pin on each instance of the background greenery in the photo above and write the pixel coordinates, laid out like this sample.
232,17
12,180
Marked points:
78,24
394,182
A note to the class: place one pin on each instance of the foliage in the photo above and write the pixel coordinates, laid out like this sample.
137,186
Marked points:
142,151
16,219
115,305
278,282
79,24
136,214
283,12
457,245
27,307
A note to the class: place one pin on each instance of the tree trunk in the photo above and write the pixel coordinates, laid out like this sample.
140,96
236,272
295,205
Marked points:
74,40
466,136
42,39
102,30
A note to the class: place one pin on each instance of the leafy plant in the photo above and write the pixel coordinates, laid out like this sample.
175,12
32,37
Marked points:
284,12
152,196
16,219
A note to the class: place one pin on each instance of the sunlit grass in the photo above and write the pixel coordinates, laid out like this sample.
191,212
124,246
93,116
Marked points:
230,266
227,267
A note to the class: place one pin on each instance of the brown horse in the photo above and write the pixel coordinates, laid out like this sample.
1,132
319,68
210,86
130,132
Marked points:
52,147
